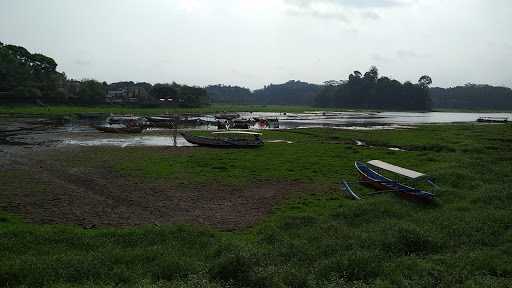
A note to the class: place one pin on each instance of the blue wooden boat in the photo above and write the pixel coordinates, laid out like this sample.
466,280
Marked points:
375,180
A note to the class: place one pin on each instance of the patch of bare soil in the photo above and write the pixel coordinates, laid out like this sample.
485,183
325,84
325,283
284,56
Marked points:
93,198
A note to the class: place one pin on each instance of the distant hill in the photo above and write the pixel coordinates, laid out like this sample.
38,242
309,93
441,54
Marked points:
289,93
472,96
228,94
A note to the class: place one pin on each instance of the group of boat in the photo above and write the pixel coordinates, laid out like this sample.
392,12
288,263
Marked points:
222,139
241,123
370,173
134,124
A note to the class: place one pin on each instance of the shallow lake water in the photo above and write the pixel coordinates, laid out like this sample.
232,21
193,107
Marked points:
32,131
130,140
379,120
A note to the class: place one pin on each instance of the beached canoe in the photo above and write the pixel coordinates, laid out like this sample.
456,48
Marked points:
375,180
228,139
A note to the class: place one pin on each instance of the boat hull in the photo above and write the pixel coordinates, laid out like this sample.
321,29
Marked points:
119,129
492,120
375,180
221,143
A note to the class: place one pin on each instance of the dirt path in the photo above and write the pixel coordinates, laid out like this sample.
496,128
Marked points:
50,194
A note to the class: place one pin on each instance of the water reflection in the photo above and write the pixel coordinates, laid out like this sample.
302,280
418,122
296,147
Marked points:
128,141
313,119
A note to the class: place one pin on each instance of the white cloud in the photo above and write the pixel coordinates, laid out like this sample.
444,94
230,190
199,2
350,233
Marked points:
345,11
360,4
253,43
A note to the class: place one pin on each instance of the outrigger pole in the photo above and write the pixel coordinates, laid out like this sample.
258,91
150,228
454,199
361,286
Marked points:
345,187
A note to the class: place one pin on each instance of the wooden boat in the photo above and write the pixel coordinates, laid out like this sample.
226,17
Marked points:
160,119
119,128
228,139
222,125
227,116
125,120
166,122
160,122
240,124
373,179
492,119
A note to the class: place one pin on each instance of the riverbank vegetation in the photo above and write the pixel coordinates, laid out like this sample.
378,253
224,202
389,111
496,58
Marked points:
312,238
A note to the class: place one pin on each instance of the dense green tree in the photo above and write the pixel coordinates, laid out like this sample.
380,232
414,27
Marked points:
23,73
189,96
425,81
228,94
372,75
27,93
368,91
289,93
91,92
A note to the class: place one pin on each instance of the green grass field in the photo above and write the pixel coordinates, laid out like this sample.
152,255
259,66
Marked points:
316,239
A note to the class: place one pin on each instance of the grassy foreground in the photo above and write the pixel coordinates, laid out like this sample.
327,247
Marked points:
316,239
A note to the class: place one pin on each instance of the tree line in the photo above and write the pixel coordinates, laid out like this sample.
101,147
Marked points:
229,94
360,91
290,93
472,96
369,91
33,78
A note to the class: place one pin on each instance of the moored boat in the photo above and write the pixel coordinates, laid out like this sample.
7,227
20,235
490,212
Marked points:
119,128
160,121
125,120
227,116
241,124
371,178
228,139
492,119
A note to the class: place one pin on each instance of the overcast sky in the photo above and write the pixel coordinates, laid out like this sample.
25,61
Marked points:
256,42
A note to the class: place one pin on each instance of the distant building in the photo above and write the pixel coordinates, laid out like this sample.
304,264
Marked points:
116,96
131,95
138,95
